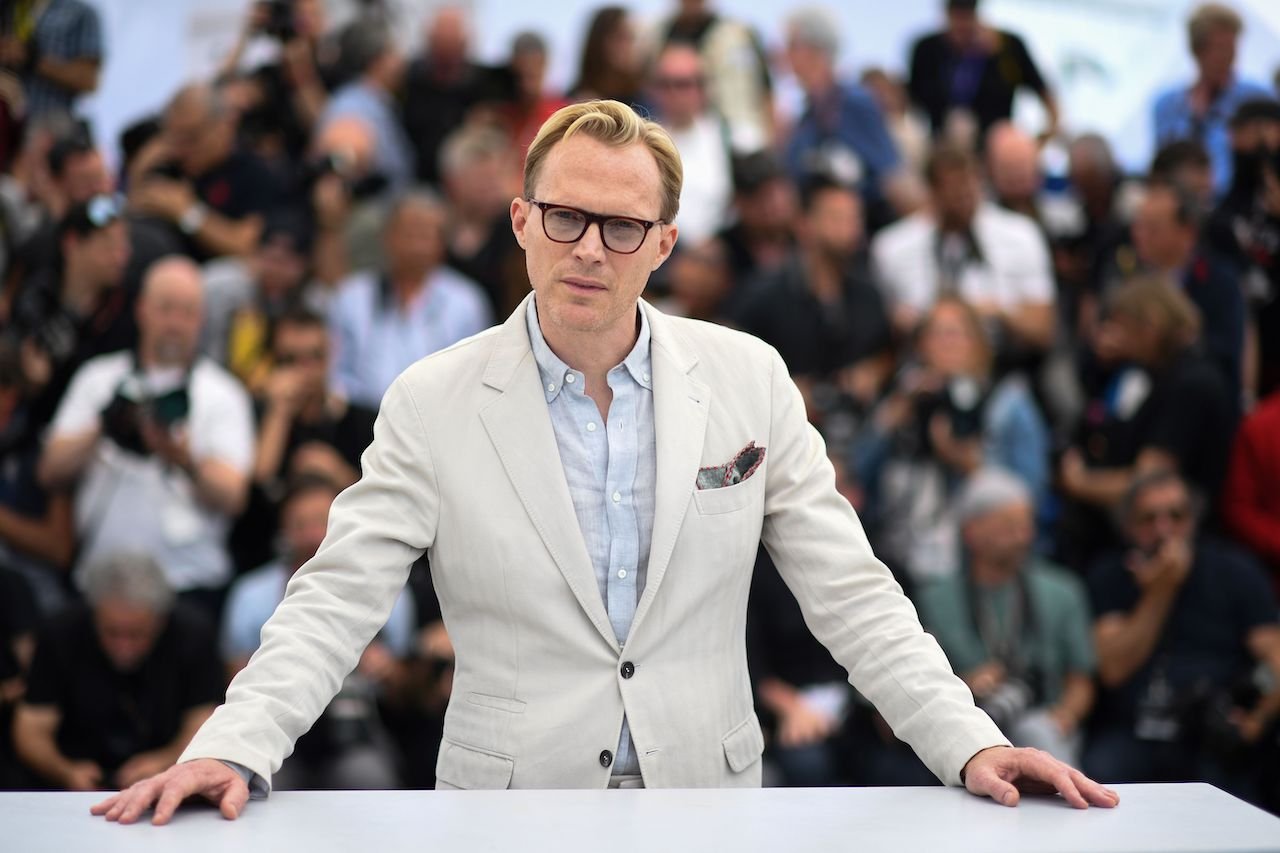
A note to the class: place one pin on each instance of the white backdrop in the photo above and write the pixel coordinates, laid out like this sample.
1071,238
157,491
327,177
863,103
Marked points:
1106,58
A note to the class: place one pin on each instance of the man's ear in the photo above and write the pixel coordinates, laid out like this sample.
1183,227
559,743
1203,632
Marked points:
666,243
519,219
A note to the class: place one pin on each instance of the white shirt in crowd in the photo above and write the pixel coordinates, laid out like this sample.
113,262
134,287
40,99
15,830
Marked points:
708,178
1013,267
127,502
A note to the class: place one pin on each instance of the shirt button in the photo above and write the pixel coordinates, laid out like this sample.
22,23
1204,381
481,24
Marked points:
646,377
591,427
551,386
622,573
617,497
568,378
606,758
628,669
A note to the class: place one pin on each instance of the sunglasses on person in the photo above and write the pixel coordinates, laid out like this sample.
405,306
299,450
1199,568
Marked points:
564,224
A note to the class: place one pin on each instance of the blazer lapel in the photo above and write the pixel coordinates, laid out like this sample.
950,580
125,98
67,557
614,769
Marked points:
519,426
680,408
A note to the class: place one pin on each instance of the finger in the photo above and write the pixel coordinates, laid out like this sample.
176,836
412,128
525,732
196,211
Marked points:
99,809
1095,793
170,798
986,783
1067,788
140,799
234,800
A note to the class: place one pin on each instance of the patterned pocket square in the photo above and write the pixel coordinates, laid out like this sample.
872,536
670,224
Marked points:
737,469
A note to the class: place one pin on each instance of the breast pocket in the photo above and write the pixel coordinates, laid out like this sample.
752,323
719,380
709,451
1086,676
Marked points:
730,498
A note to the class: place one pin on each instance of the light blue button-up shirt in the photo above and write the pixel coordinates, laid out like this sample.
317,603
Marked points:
611,469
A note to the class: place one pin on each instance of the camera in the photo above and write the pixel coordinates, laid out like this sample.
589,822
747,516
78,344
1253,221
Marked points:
279,23
123,416
359,187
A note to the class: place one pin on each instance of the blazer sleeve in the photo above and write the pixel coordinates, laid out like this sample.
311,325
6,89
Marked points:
335,603
851,602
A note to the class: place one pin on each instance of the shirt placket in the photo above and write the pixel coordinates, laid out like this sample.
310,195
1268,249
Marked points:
620,507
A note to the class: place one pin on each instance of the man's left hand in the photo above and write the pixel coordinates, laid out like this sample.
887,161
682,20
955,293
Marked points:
1005,773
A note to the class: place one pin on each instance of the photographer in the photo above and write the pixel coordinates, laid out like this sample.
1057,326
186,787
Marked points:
55,47
291,92
1247,227
1014,627
348,747
820,308
1181,622
160,442
77,309
348,200
942,420
195,177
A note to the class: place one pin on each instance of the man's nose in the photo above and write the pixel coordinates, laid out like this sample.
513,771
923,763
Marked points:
590,245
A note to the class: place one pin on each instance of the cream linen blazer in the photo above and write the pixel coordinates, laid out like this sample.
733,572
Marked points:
464,465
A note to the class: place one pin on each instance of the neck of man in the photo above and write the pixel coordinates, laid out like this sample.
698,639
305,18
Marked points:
824,278
594,354
407,282
79,290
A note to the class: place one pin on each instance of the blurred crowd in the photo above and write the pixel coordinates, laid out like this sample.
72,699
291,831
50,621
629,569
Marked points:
1050,387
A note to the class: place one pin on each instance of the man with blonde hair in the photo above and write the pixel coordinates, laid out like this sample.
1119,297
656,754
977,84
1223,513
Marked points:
591,480
1202,111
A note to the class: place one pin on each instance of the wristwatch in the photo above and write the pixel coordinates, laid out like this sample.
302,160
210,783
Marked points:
193,219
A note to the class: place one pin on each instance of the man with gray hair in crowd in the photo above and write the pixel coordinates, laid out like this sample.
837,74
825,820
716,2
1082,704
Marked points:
1014,627
842,133
118,685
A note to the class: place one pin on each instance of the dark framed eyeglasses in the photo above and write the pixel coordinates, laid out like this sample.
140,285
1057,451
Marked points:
621,234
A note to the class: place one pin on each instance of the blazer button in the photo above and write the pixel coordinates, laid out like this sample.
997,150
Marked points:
628,669
606,758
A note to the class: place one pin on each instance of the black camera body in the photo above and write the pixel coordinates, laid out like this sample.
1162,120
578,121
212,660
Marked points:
280,25
123,417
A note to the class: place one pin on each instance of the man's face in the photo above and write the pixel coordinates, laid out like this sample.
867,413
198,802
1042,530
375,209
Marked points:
1160,240
103,252
811,66
127,632
84,176
1217,57
678,86
956,194
280,269
414,239
197,140
582,286
963,27
770,208
170,315
833,223
1161,514
1002,537
304,349
304,522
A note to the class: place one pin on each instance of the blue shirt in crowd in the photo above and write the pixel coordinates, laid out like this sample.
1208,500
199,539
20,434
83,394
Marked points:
1174,120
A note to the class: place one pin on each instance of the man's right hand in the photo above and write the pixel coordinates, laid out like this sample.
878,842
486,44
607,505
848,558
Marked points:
208,777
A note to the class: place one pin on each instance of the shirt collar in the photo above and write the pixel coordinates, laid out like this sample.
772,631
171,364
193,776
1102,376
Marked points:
552,369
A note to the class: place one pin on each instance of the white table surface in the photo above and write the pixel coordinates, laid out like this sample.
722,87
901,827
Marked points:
1150,818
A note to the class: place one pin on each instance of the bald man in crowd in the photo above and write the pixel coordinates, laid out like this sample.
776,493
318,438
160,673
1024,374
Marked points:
157,443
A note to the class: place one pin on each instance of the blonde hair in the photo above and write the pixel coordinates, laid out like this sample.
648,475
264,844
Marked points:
1151,299
615,124
1208,19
